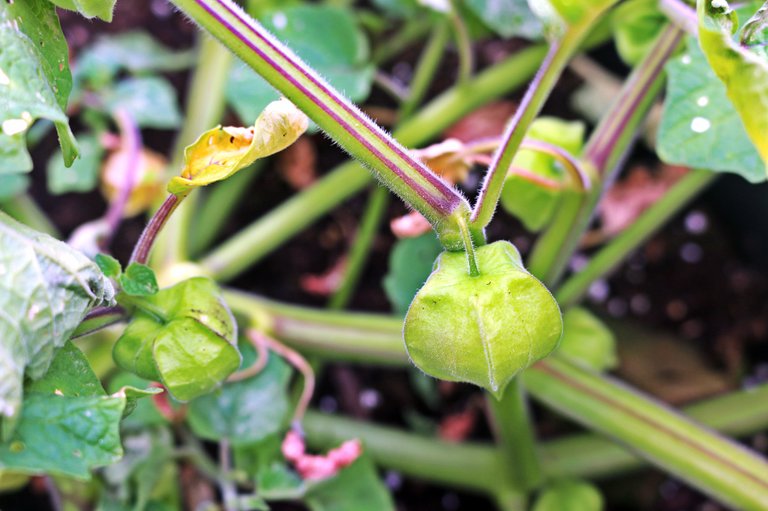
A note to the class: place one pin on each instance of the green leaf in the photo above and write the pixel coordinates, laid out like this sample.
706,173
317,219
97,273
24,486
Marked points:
12,185
744,73
754,34
508,18
410,263
14,157
557,15
151,100
356,488
533,204
247,411
35,81
398,8
83,175
573,495
108,265
586,340
636,24
327,38
183,336
46,288
135,52
138,280
139,414
481,329
68,425
89,8
699,127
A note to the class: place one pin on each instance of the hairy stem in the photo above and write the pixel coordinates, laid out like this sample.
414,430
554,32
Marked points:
344,122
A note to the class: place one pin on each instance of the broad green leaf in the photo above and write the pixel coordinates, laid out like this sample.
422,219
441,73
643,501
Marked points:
46,288
35,81
151,101
508,18
699,126
138,280
356,488
586,340
12,185
327,38
134,52
410,263
532,203
247,411
570,495
636,24
83,175
744,73
398,8
481,329
220,152
14,157
68,425
89,8
182,336
108,265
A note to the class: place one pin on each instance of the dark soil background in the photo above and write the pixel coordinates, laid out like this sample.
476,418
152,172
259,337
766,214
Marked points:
696,292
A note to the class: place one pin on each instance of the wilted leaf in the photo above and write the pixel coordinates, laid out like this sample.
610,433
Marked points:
325,37
149,177
34,74
220,152
45,290
744,73
246,411
699,127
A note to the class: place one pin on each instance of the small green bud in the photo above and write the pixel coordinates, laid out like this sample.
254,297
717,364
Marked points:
482,329
184,337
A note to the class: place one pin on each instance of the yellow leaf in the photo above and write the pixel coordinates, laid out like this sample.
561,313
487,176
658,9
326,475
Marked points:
222,151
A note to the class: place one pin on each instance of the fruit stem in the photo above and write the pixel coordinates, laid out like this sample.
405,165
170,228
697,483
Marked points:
469,247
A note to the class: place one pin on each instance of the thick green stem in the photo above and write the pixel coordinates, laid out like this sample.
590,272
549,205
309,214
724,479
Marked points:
582,455
280,224
606,149
661,436
358,254
610,256
713,464
513,428
538,91
338,117
425,69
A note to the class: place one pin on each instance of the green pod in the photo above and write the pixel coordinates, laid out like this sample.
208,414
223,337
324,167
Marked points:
183,336
481,329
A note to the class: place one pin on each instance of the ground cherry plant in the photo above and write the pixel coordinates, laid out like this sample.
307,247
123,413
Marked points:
152,384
